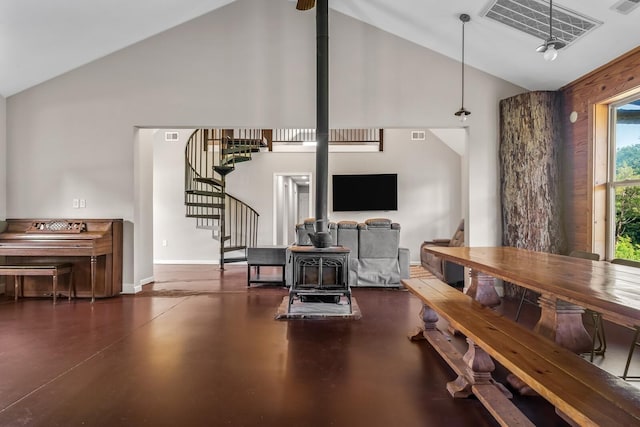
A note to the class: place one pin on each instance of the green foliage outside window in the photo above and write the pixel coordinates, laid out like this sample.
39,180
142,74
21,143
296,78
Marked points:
627,250
628,204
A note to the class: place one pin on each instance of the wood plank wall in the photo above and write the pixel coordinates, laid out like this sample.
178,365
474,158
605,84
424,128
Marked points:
584,170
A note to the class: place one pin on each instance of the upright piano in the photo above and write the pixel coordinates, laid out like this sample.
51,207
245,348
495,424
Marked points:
93,246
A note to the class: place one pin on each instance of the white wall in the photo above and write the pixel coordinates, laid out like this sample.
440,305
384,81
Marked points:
3,172
3,158
139,235
303,203
184,243
248,64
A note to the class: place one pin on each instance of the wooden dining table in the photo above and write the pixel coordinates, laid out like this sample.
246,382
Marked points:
566,286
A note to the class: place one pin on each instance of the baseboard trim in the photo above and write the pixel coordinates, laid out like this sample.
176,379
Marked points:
146,281
130,288
184,261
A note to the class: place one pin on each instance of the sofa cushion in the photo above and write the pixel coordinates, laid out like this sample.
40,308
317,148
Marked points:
378,223
378,243
348,224
378,271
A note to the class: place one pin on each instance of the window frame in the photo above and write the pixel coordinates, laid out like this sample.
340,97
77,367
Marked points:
612,184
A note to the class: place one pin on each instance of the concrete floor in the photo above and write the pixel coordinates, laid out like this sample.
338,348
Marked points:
199,348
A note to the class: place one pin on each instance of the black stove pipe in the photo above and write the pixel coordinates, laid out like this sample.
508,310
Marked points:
322,120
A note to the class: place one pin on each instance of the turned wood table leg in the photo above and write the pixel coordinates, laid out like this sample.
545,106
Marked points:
482,289
561,322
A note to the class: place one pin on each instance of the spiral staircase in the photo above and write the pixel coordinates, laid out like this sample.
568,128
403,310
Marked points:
211,155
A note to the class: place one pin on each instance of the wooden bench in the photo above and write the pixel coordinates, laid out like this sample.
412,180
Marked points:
19,271
582,393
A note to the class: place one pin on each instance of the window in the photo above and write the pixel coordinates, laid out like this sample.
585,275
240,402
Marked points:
624,179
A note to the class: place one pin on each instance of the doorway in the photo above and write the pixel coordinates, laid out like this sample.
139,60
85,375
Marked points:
292,203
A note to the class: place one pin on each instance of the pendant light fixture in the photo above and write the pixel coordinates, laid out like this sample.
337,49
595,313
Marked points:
550,47
462,113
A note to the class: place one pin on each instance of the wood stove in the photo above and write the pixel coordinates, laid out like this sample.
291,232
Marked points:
320,274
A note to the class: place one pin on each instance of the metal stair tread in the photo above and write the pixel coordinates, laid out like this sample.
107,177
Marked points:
208,180
238,159
205,205
241,149
224,169
203,216
234,248
204,193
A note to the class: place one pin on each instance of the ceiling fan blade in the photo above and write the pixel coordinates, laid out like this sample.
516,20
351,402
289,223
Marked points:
305,4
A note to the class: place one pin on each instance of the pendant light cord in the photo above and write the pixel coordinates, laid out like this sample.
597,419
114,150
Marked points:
463,22
550,19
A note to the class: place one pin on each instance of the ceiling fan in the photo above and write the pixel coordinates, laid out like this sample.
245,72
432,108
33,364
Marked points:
305,4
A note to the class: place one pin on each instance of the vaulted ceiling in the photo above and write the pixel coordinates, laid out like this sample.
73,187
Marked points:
40,39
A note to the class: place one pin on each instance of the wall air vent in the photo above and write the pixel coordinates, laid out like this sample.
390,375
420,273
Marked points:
532,17
418,135
625,6
171,136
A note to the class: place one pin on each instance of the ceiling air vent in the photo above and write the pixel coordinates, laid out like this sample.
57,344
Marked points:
418,135
532,17
625,6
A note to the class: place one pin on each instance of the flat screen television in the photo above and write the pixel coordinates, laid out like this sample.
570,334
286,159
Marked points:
373,192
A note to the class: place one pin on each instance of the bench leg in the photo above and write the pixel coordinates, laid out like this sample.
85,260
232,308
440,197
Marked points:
429,319
479,369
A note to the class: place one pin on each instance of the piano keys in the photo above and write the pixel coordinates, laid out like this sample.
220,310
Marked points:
93,246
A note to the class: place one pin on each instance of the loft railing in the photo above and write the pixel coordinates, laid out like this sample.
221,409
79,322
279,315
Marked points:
368,136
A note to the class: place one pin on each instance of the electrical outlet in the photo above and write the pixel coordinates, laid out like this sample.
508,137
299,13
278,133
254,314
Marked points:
83,203
164,243
75,203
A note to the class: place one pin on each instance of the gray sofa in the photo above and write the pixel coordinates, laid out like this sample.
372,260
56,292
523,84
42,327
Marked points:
376,258
446,271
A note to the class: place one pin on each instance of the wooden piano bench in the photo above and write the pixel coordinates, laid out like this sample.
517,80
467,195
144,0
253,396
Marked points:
18,271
